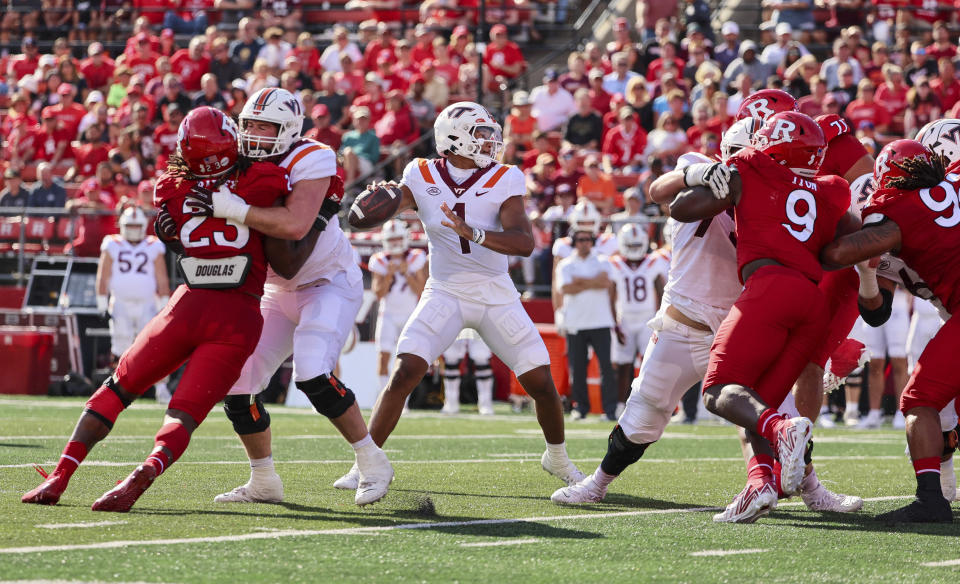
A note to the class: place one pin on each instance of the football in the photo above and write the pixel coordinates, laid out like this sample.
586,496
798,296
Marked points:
374,206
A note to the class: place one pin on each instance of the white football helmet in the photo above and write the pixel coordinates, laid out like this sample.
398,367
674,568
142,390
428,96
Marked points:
133,224
277,106
633,241
738,136
585,217
467,129
395,237
943,137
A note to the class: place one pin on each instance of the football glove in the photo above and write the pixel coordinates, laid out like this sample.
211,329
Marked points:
221,203
714,175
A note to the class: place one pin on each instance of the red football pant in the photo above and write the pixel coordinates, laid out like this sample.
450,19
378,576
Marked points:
216,329
772,330
840,289
934,381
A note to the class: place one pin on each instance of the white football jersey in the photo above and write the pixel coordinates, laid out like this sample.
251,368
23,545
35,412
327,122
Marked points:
703,282
457,265
401,299
309,160
606,245
132,276
636,293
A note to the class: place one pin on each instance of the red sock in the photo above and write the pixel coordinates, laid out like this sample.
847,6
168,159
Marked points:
777,469
172,438
760,469
769,424
73,454
927,465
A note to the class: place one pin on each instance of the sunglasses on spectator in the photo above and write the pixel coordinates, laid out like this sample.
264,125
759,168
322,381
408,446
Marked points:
583,239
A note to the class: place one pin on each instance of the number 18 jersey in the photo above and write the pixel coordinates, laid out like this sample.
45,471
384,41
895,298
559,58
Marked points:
457,265
783,216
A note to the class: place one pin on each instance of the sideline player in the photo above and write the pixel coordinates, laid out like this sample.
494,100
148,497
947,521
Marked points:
468,343
214,319
472,210
640,278
774,326
310,313
914,213
399,274
583,217
132,283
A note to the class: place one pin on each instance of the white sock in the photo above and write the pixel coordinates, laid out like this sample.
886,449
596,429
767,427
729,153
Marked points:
602,479
485,392
810,482
261,467
852,406
451,392
363,442
824,410
557,450
946,466
875,413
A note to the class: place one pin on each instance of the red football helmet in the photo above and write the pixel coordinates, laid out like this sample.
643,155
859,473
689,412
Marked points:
793,140
765,103
832,125
897,151
207,142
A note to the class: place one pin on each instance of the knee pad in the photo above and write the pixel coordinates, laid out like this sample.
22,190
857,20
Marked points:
107,402
621,452
328,395
950,440
246,413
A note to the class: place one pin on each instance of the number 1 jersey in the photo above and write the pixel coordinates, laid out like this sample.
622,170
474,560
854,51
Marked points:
783,216
458,265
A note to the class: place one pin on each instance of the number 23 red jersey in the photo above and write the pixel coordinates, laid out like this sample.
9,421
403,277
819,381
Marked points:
783,216
929,222
215,238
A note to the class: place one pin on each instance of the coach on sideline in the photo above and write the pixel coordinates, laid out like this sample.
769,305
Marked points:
589,293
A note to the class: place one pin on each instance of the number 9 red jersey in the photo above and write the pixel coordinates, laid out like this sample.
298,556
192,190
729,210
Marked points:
210,238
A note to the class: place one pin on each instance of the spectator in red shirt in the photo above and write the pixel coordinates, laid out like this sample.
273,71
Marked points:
502,56
25,63
388,78
923,106
423,48
49,142
144,61
701,122
941,47
404,66
322,130
94,193
866,108
372,97
165,135
97,69
396,128
445,68
624,144
349,79
576,76
91,152
190,64
946,86
308,55
67,113
892,95
668,52
152,10
384,41
599,98
721,119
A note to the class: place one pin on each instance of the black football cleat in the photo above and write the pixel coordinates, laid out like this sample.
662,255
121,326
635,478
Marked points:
926,510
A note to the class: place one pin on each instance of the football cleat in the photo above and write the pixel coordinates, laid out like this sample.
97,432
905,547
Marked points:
485,410
899,421
790,446
48,493
851,417
564,469
586,491
375,475
450,409
823,499
930,510
122,497
753,502
349,481
872,421
264,490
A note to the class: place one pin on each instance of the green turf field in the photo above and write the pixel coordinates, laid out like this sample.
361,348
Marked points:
469,504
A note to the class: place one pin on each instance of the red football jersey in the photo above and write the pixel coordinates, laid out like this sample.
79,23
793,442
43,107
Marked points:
843,152
213,238
928,220
785,217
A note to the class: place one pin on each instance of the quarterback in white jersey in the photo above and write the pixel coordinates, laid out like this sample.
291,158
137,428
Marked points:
471,207
309,313
702,285
132,283
399,274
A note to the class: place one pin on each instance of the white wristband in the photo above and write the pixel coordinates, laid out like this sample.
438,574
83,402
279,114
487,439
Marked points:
227,205
869,288
479,236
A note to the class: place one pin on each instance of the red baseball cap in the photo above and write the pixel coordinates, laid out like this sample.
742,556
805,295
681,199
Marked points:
319,111
498,29
460,30
66,89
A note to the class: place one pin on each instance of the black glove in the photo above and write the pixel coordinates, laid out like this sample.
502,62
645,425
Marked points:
328,210
200,201
167,230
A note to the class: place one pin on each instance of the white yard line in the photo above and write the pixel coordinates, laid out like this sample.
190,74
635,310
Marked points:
370,530
943,564
715,553
501,542
87,524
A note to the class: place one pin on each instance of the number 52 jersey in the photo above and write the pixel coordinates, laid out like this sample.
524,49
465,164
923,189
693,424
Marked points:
132,266
458,265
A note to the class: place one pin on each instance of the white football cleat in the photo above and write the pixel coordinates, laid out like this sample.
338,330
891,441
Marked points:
791,446
751,504
564,469
450,409
899,422
376,474
586,491
265,490
485,410
823,499
349,481
851,417
872,421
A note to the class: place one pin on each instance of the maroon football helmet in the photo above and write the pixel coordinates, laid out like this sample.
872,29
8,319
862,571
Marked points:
207,142
766,102
793,140
897,151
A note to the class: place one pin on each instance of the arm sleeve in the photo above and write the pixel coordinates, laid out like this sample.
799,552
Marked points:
879,315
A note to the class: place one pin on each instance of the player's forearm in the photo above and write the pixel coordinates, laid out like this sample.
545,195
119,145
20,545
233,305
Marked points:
287,257
279,222
381,285
513,242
